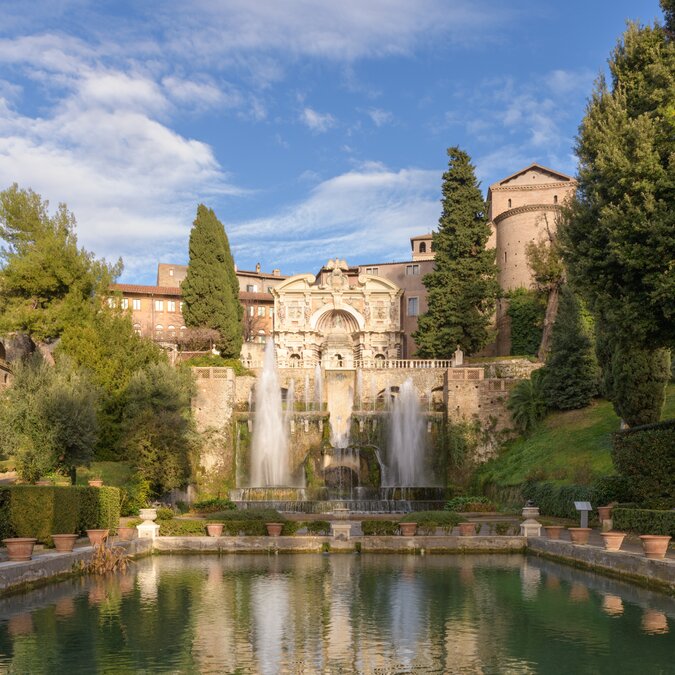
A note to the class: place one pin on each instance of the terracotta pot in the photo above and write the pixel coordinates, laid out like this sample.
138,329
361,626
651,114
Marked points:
64,543
97,536
19,549
126,533
216,529
95,482
613,540
604,512
467,529
408,529
655,546
43,482
553,531
274,529
579,535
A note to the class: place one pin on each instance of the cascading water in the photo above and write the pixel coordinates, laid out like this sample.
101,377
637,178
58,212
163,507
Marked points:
318,387
406,441
269,445
290,404
307,397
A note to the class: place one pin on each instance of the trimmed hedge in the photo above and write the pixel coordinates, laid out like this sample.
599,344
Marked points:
379,527
180,527
213,505
557,500
318,527
644,521
266,515
40,511
470,504
646,456
429,521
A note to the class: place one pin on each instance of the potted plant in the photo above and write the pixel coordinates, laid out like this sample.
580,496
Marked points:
408,529
467,529
655,546
126,533
216,529
579,535
274,529
64,543
612,540
553,531
97,536
19,549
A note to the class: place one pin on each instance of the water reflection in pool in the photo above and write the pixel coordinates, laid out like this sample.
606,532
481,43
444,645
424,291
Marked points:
340,614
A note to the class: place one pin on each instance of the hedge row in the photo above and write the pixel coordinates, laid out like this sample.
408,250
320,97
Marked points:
556,500
644,521
40,511
183,527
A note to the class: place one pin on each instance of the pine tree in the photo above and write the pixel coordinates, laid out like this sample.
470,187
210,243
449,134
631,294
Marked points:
462,288
571,374
211,290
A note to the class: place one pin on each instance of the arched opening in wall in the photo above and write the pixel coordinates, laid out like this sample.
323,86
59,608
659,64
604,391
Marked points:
437,398
380,358
423,248
338,360
509,203
337,322
555,199
3,353
295,360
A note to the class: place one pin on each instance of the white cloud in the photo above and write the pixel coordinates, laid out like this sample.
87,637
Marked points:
316,121
380,117
200,94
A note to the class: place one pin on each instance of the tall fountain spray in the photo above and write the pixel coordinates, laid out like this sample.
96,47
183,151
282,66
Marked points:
318,387
269,445
307,397
406,442
290,404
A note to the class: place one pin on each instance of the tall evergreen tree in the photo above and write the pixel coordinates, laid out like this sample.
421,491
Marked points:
617,237
570,375
463,287
211,289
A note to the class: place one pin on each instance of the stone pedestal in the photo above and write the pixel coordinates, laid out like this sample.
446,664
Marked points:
530,527
148,529
341,530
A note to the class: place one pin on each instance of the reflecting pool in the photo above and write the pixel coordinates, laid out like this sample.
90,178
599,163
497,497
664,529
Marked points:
340,614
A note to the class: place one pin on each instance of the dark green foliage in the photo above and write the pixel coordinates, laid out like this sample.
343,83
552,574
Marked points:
501,527
469,504
638,380
40,511
646,457
462,288
213,505
211,289
318,527
182,527
644,521
135,494
165,513
379,527
571,375
527,403
265,515
429,521
526,312
554,499
608,489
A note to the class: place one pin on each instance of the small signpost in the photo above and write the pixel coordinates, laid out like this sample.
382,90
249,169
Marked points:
584,508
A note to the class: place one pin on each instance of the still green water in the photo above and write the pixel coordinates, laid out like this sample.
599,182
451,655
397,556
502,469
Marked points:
340,614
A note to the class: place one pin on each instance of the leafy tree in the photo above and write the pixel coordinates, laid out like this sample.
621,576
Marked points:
527,403
463,285
526,311
158,431
48,418
571,373
46,281
211,289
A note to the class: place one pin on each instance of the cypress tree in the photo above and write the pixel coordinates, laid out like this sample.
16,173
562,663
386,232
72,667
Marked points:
570,375
462,288
211,290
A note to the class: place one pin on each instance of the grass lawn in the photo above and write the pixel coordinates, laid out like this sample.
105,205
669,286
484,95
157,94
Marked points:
570,447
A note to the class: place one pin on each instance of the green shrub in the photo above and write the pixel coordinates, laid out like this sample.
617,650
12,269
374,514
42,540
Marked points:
527,403
645,456
501,527
608,489
644,521
165,513
318,527
266,515
526,311
250,528
213,505
291,527
179,527
135,495
379,527
468,504
6,529
99,508
554,499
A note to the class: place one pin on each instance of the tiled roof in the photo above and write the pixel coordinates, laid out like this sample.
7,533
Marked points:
260,297
146,290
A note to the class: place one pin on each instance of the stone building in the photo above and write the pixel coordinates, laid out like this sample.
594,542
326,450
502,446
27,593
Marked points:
5,371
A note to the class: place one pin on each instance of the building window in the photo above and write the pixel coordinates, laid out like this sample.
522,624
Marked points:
171,272
269,289
271,312
261,311
125,303
171,305
411,270
172,330
182,328
180,307
375,271
509,203
251,288
413,307
555,199
423,248
136,304
251,310
159,305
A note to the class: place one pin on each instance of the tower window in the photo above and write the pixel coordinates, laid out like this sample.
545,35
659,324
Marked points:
509,203
555,199
423,248
504,256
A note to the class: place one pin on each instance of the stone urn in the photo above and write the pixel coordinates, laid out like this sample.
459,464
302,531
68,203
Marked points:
613,540
148,529
95,482
216,529
64,543
553,531
467,529
97,537
655,546
274,529
148,514
126,533
19,549
408,529
604,513
579,535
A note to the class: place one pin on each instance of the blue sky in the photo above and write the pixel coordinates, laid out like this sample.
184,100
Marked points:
313,128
